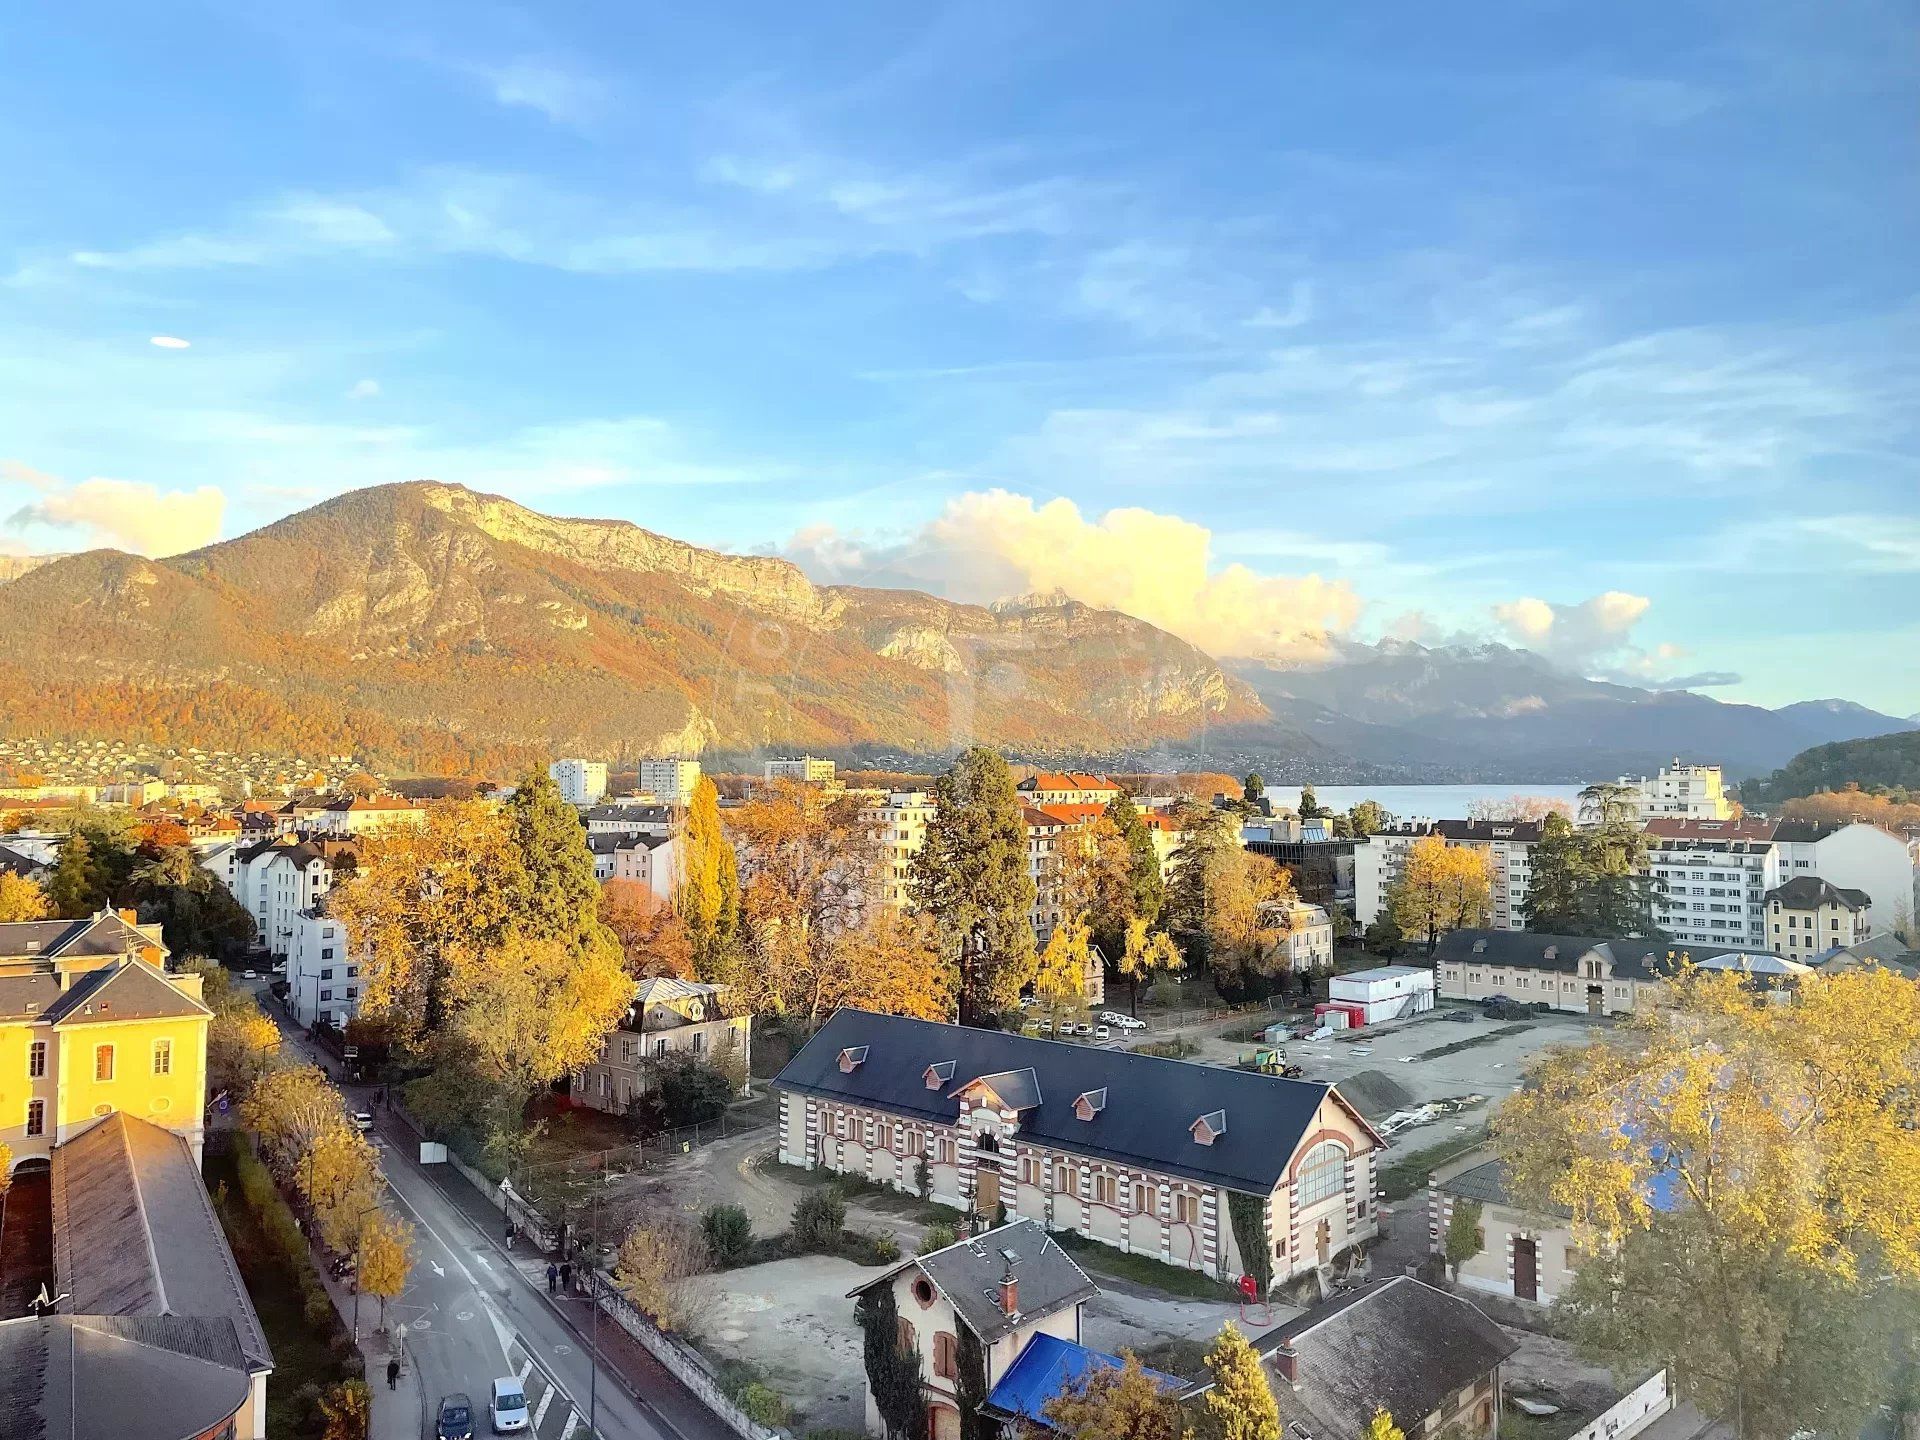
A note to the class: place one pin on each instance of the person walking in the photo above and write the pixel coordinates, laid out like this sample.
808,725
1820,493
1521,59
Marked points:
553,1278
566,1276
509,1234
393,1373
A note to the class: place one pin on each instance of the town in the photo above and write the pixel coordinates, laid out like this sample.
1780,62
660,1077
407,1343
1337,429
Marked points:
1020,1099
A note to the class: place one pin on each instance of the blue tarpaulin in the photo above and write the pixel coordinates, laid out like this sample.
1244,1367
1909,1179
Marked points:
1048,1367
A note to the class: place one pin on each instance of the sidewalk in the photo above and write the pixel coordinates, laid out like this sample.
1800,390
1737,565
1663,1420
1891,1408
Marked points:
400,1413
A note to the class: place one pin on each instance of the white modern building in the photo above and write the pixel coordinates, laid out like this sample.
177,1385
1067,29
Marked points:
1714,877
274,880
1853,856
1379,860
1386,992
581,782
1685,792
671,781
806,769
323,981
897,825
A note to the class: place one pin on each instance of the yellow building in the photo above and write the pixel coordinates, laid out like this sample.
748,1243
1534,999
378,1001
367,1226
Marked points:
92,1024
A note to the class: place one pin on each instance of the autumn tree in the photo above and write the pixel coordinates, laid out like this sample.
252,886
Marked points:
1226,906
1144,954
242,1043
654,1268
1060,970
21,898
1096,880
1121,1402
1240,1406
1517,808
650,935
1743,1180
971,877
1464,1238
386,1258
1441,887
340,1178
891,963
707,893
1149,884
287,1111
1381,1427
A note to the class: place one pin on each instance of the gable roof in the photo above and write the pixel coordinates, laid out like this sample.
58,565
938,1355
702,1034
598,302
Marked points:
1396,1343
1808,892
102,933
91,1377
1048,1367
14,863
1151,1107
968,1274
1528,950
135,1234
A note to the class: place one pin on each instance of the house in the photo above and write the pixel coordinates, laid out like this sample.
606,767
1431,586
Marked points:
91,1023
151,1299
1886,950
1851,855
1808,916
323,976
1430,1359
1053,787
580,782
1224,1171
1523,1253
1307,944
650,860
1567,972
1005,1290
275,880
667,1016
629,820
364,814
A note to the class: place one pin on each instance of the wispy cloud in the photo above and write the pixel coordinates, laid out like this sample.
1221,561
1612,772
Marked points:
560,91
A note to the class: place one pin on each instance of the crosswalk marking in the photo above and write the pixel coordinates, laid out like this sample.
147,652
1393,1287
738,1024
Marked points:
540,1415
521,1375
573,1422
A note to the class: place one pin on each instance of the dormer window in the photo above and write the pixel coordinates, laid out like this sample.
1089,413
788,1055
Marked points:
852,1058
938,1074
1090,1104
1550,953
1209,1127
1479,947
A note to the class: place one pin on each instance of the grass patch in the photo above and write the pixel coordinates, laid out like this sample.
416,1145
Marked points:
1178,1048
1183,1357
1401,1176
871,1193
1142,1269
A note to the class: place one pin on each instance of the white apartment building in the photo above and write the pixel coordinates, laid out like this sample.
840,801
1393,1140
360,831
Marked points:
273,880
804,768
361,814
1686,792
898,827
1854,856
652,860
1715,875
323,981
581,782
671,781
1379,860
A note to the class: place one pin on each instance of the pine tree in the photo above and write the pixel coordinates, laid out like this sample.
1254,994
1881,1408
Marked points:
1241,1403
1310,806
708,899
971,876
1253,789
1149,885
71,884
1593,881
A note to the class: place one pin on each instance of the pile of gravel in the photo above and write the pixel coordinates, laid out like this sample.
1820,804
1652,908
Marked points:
1376,1094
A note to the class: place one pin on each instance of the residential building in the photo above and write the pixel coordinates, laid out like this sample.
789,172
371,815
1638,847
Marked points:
1054,787
192,794
18,862
1005,1288
364,814
1046,847
323,975
1307,944
666,1017
1886,950
580,782
1379,860
1384,992
274,880
652,860
1685,792
1854,856
897,825
1713,877
1524,1254
91,1023
1807,917
803,769
1197,1165
162,1336
670,780
629,820
1429,1358
133,793
1584,975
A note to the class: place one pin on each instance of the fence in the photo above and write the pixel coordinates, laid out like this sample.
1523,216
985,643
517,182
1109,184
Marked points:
686,1366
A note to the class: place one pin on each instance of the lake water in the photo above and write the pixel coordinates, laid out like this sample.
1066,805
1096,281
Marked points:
1418,802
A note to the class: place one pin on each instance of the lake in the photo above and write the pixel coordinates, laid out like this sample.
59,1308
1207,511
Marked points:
1418,802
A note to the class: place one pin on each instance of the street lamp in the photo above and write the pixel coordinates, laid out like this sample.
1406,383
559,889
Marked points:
358,1234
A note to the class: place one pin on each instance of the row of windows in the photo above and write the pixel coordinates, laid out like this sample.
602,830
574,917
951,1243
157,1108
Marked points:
104,1060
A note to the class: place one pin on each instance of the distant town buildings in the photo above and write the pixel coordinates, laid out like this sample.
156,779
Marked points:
671,781
580,782
1052,787
801,769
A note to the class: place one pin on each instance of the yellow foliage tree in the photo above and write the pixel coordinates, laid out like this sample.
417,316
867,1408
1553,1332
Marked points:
1060,972
892,963
1744,1182
1145,954
386,1258
707,895
340,1176
21,898
1381,1427
1118,1404
288,1110
1441,887
653,1266
1240,1405
242,1044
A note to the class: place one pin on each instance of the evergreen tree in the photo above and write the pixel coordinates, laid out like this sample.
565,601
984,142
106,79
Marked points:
971,877
1149,885
893,1368
1240,1404
1253,789
708,898
73,884
562,897
1593,881
1310,806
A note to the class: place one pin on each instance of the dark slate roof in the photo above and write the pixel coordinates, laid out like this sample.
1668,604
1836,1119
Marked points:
1486,1183
135,1234
1886,949
1524,831
968,1274
1806,892
1527,950
92,1377
1149,1114
15,863
130,990
1396,1343
1047,1367
1805,832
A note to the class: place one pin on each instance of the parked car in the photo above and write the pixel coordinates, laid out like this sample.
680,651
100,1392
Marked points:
1025,1001
455,1421
1102,1032
1127,1022
1466,1015
507,1406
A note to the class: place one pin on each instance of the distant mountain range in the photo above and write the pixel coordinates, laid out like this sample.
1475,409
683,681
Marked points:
429,628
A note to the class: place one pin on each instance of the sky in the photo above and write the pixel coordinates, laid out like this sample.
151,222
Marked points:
1588,328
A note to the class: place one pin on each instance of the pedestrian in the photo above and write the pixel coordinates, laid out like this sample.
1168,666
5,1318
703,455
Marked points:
566,1276
553,1278
393,1373
509,1234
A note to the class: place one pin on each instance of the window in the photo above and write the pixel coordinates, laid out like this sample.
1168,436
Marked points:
660,1046
946,1355
908,1340
327,974
103,1062
1142,1199
326,994
37,1060
163,1057
699,1042
36,1117
922,1296
1065,1180
1104,1190
1323,1174
1186,1209
326,952
1029,1170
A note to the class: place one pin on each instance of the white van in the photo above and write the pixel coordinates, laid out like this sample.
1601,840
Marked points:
507,1406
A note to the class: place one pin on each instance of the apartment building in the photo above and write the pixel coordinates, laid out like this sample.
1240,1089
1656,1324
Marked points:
1853,856
897,826
1379,860
1685,792
580,782
649,860
1198,1165
1046,845
803,769
1054,787
1807,917
669,779
1713,877
323,977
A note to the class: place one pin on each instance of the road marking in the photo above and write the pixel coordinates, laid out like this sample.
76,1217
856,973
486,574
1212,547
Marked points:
464,1315
546,1402
524,1371
437,1269
574,1421
452,1254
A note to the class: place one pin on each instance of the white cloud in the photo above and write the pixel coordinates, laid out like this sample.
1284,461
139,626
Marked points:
559,92
170,342
123,514
1579,636
986,545
364,390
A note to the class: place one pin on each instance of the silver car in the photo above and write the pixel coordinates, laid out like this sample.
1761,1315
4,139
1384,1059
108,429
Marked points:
507,1406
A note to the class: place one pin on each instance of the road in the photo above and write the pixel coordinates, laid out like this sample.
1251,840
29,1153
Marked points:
472,1317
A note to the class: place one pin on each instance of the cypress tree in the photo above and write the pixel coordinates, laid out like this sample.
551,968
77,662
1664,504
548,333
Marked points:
1149,887
708,896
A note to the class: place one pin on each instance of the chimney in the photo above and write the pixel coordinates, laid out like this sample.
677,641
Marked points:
1010,1293
132,917
1286,1360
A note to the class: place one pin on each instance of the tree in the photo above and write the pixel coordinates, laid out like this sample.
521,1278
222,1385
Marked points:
654,1268
1240,1405
287,1111
21,898
650,934
1226,907
728,1233
560,897
818,1218
1118,1403
1465,1239
1060,973
1383,936
242,1043
971,876
196,913
892,1365
1441,887
346,1411
340,1178
1367,818
73,885
1310,806
1253,789
1744,1182
1381,1427
1517,807
1593,881
386,1259
1096,880
1149,884
1143,955
707,898
891,963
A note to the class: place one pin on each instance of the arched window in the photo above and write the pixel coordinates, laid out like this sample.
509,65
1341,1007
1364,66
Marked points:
1323,1173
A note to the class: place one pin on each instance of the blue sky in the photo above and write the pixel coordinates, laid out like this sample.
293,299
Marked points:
1588,327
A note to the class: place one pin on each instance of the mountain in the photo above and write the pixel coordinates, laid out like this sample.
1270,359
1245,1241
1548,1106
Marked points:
1880,762
428,627
1844,719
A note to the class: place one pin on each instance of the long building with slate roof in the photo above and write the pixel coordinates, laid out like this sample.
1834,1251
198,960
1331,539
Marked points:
1200,1166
